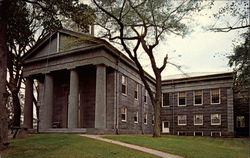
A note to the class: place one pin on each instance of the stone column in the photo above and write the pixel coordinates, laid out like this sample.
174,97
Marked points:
28,105
46,120
100,98
73,99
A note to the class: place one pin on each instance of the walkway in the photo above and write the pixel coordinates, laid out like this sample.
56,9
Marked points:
136,147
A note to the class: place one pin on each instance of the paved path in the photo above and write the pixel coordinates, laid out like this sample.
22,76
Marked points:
136,147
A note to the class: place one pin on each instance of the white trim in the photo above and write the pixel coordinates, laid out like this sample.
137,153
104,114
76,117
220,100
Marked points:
137,116
211,96
178,120
126,84
201,98
185,99
215,123
197,124
215,132
162,104
198,131
125,115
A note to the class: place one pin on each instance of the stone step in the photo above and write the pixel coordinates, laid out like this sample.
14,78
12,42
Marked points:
65,130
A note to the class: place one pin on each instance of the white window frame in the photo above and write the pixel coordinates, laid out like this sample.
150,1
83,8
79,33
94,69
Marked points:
185,99
178,133
216,123
201,97
145,114
137,90
198,123
162,104
137,115
211,96
126,114
179,119
198,131
126,85
215,132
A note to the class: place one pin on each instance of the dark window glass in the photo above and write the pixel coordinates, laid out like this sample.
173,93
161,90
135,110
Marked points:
197,97
166,101
182,98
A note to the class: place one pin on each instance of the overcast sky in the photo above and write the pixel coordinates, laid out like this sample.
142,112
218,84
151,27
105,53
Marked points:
200,52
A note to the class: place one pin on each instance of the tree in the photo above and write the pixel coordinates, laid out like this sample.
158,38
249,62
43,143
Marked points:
237,11
19,21
140,26
240,60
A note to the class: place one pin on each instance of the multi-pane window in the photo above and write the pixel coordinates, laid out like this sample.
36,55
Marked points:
198,119
240,121
165,100
215,134
182,119
136,91
198,99
153,119
145,96
124,84
136,117
198,133
124,114
145,118
215,119
182,99
215,96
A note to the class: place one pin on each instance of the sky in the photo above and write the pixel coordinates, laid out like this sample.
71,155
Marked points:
200,52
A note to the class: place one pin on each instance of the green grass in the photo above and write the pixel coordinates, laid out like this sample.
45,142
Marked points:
67,146
191,147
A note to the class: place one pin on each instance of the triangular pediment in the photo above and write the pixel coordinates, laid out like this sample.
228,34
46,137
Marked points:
59,42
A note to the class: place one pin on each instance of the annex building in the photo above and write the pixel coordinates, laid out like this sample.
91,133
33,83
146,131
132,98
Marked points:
91,87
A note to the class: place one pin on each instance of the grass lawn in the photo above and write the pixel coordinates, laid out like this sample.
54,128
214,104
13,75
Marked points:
191,147
67,146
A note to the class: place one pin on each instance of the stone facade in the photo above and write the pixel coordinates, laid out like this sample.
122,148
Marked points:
94,88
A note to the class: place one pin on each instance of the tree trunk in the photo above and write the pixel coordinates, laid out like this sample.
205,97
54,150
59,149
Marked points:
3,73
16,109
157,106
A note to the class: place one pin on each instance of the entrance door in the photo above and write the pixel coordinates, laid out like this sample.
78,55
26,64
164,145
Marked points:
165,126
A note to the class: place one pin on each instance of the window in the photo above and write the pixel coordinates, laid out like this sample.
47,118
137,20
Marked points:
136,117
215,119
198,99
182,99
136,91
215,96
145,96
240,121
198,133
198,119
215,134
124,114
165,100
124,85
182,119
145,118
182,133
153,119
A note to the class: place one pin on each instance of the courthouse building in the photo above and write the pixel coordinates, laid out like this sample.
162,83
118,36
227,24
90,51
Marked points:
92,87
